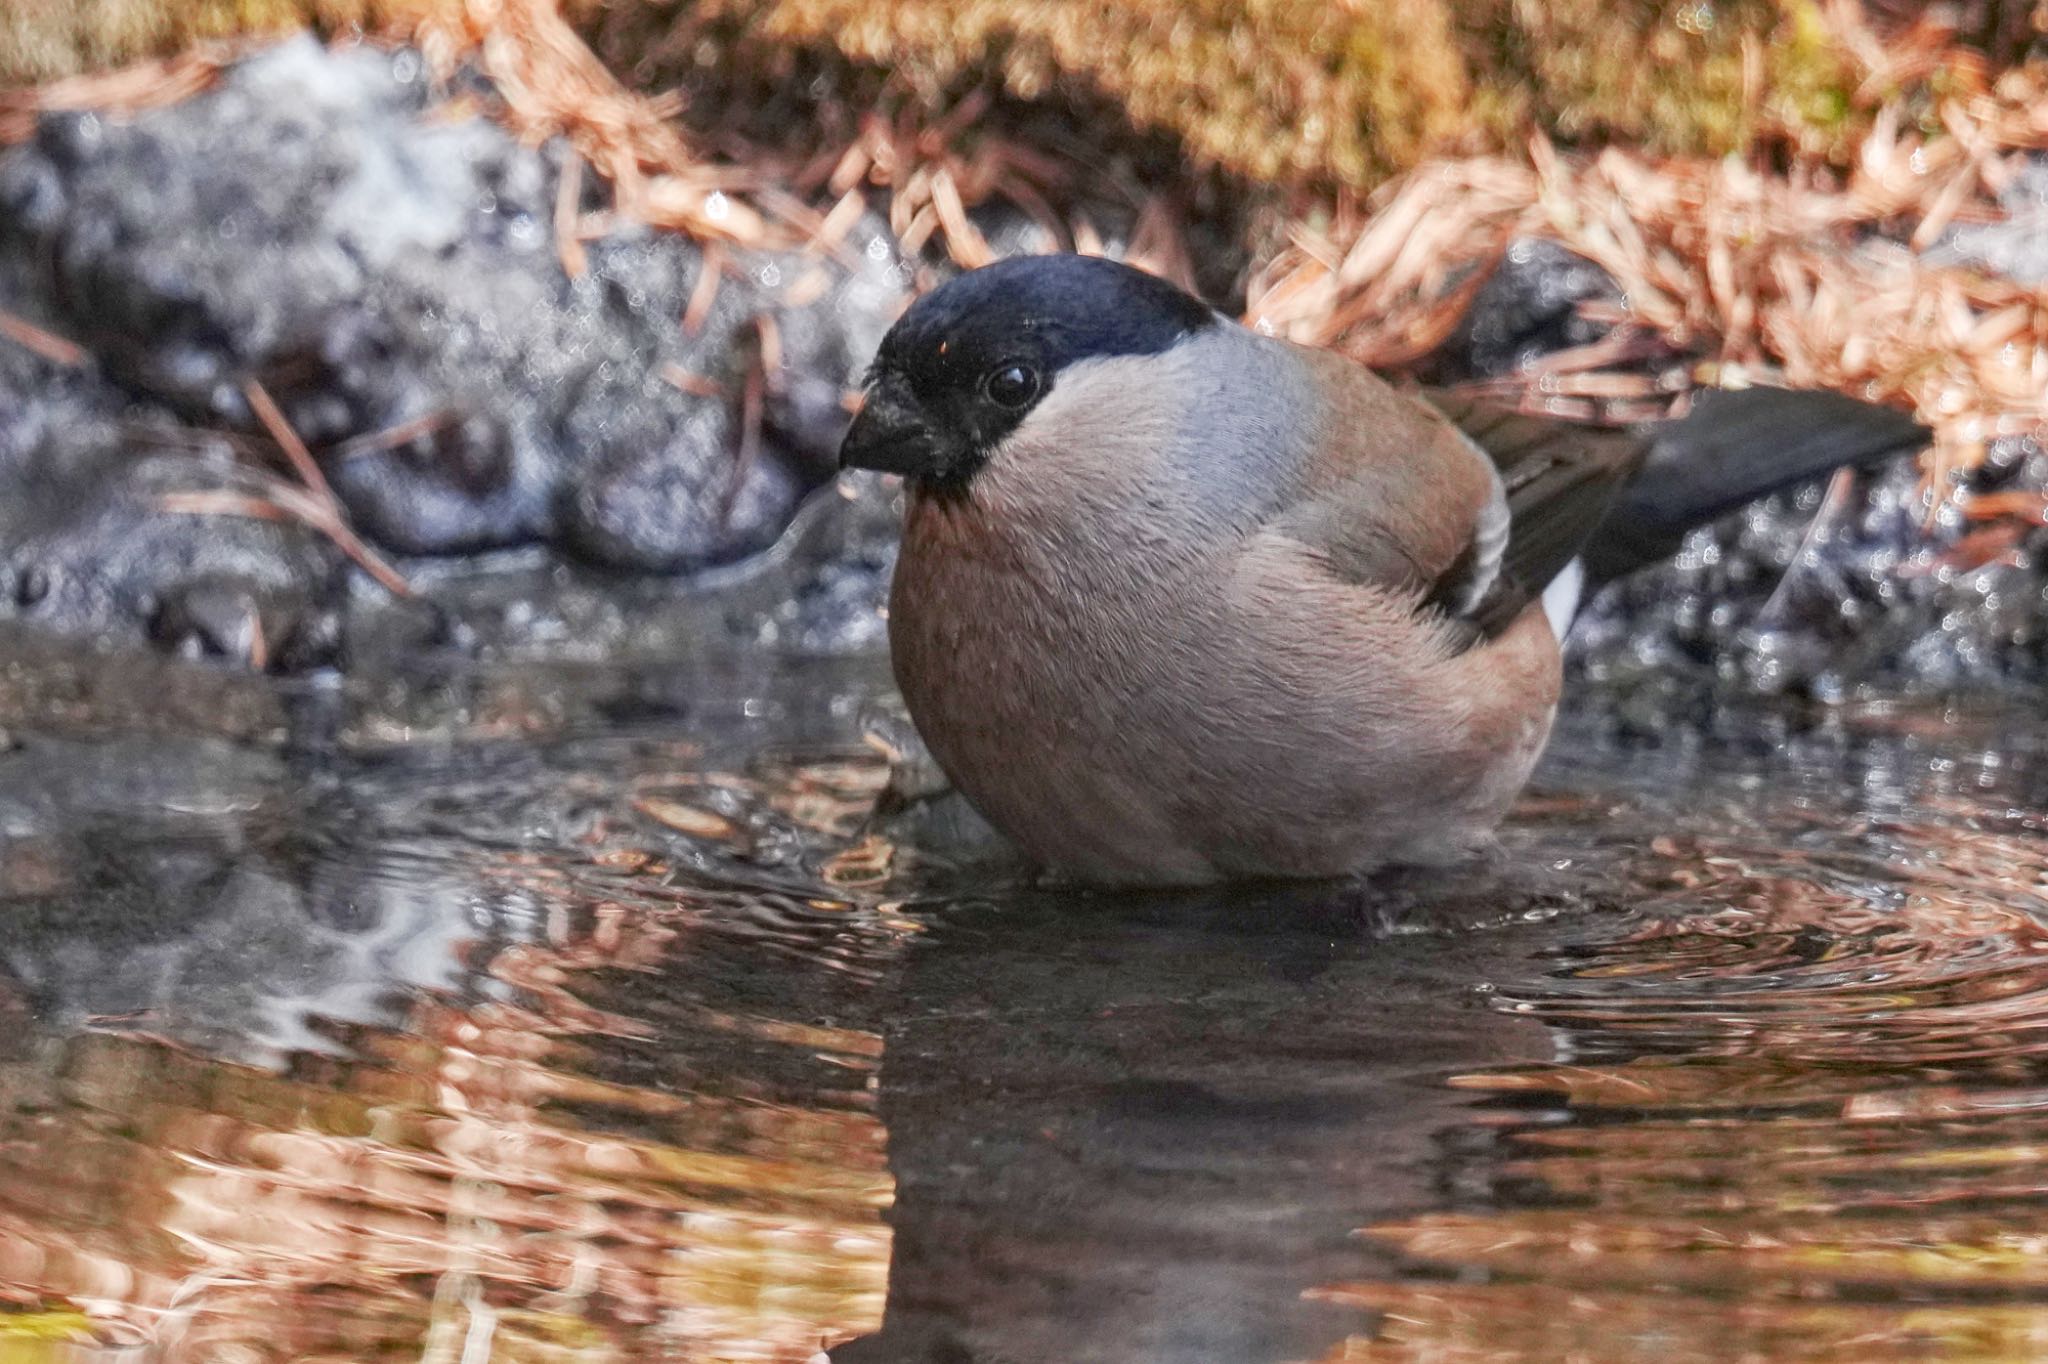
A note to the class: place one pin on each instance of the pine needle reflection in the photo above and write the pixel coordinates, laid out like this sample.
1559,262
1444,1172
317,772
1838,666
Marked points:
524,1161
1796,1099
650,1047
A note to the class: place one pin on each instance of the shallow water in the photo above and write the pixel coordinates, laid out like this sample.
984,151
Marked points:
557,1040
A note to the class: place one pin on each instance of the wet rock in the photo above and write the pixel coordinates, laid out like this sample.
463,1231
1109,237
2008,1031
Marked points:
1799,593
644,508
819,590
390,275
1828,598
90,544
2016,247
561,466
1527,309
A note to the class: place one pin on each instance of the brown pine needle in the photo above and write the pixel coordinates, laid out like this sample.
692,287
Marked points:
568,215
391,437
752,398
845,213
694,384
704,293
768,336
280,431
552,84
964,242
146,85
327,521
285,503
221,502
52,347
2023,505
259,645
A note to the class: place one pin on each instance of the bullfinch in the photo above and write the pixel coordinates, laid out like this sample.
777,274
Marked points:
1179,603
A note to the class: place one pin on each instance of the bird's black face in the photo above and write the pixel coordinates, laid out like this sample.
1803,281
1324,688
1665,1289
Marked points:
970,360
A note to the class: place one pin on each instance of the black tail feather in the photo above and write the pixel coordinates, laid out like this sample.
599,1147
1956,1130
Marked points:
1734,447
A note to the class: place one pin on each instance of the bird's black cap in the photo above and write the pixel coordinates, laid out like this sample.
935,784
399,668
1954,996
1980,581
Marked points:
969,360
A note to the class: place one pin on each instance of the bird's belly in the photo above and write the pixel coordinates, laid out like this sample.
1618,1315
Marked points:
1121,751
1034,738
1167,804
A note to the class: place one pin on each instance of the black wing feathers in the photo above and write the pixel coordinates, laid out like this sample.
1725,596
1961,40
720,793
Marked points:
1560,479
1732,448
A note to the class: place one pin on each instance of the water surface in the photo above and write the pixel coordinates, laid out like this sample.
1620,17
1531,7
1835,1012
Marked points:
624,1036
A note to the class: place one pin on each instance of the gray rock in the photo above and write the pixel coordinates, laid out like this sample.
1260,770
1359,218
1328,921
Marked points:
1793,596
88,546
2016,248
391,277
1769,600
1527,309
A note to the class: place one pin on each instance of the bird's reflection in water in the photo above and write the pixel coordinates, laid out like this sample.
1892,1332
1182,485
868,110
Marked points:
1736,1056
1139,1129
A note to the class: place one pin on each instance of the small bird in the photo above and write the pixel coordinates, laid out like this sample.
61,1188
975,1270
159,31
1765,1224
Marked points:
1180,603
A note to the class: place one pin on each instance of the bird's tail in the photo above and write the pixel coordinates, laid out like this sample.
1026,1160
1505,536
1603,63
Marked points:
1732,448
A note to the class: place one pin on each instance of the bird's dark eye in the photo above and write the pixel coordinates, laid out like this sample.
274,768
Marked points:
1011,385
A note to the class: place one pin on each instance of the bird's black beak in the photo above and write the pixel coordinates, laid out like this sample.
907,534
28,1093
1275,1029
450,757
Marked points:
891,435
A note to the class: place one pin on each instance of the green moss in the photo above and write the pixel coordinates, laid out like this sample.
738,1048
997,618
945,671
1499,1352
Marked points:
42,40
1303,94
23,1334
1671,77
1272,90
1813,82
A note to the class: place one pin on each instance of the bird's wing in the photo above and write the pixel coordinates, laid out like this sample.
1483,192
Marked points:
1391,495
1558,479
1473,509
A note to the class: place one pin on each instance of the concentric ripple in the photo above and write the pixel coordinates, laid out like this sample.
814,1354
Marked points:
1797,1099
